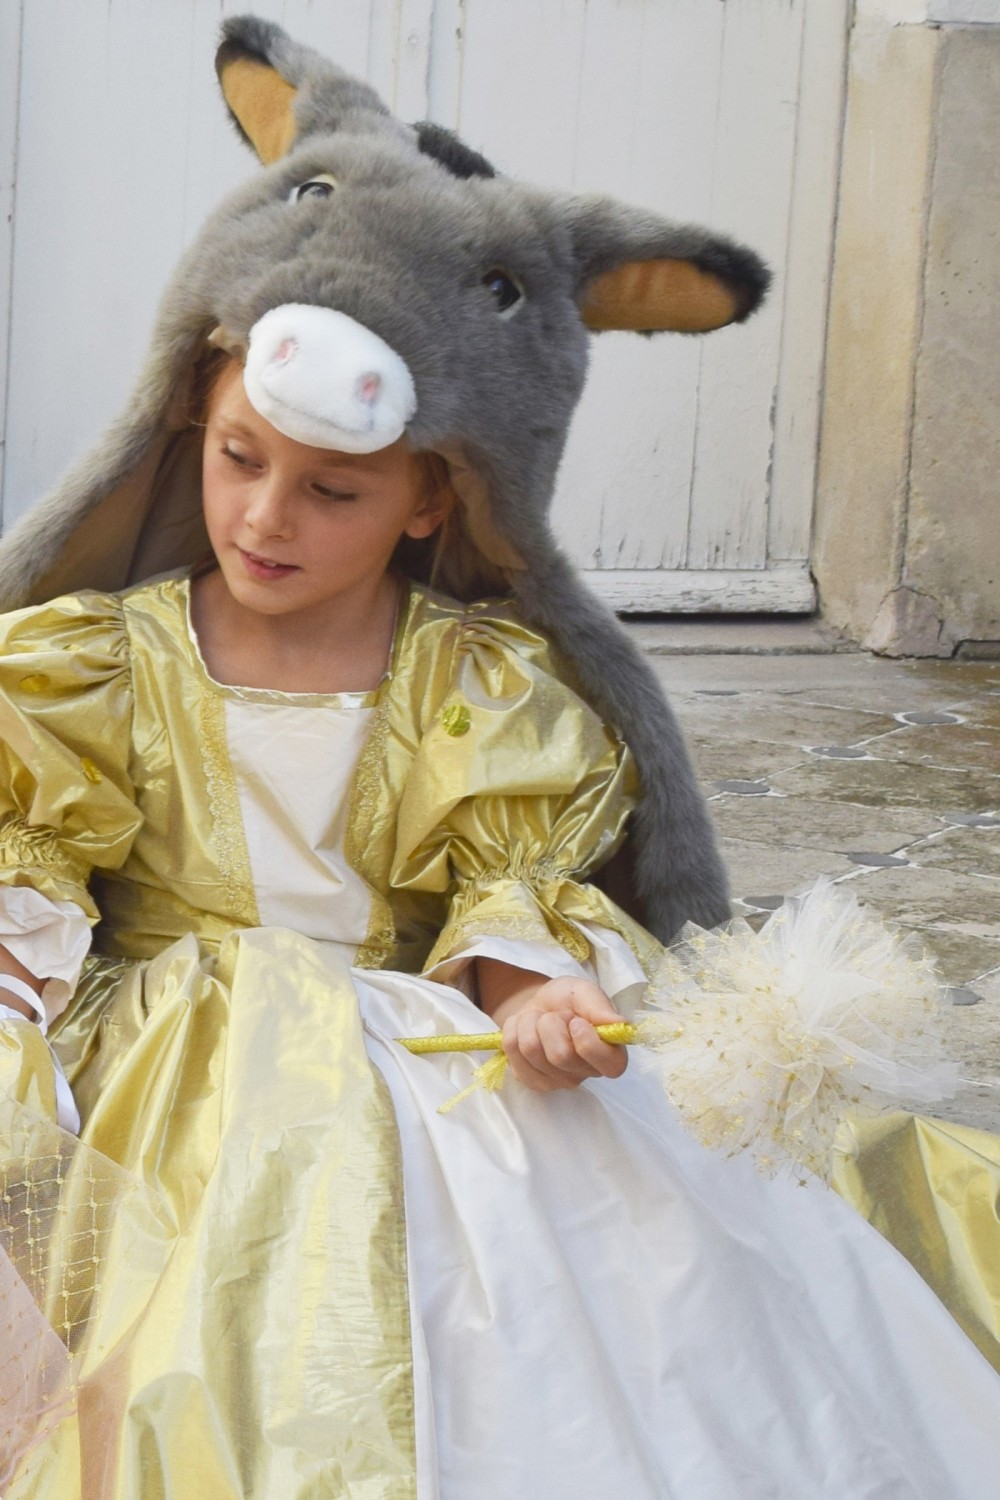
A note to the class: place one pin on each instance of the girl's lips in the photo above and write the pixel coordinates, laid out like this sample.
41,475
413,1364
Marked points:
260,567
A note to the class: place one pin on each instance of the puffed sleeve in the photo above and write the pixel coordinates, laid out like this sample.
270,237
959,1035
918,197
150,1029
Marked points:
517,793
66,802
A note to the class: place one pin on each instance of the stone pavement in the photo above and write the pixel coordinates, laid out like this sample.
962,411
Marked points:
884,774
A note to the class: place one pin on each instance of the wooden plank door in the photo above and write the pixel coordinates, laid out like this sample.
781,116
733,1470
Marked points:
688,479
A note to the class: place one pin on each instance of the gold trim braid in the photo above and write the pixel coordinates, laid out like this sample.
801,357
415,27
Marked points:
367,797
228,836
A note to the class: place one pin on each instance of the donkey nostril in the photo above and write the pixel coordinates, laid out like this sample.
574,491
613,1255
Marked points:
368,388
284,352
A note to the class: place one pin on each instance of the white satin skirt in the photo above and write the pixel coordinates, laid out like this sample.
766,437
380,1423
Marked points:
603,1310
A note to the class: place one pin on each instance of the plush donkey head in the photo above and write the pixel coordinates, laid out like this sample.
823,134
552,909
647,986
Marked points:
377,279
479,291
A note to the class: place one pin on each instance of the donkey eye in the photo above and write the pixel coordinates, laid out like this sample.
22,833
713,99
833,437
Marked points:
323,186
503,289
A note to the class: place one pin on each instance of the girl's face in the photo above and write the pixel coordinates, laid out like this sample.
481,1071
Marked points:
295,527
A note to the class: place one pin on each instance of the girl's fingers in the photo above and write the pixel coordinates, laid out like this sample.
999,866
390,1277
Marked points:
577,997
560,1050
520,1065
544,1044
544,1054
590,1002
606,1059
585,1006
552,1044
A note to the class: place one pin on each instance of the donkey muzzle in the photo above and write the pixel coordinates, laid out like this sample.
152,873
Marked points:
326,380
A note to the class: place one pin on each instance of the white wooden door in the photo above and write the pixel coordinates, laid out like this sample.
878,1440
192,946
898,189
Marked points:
688,480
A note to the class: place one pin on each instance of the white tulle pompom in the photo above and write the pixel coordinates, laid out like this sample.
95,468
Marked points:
766,1040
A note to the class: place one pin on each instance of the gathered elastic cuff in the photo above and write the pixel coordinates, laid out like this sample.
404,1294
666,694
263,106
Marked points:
612,963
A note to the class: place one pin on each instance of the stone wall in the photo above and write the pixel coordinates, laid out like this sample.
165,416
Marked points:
907,547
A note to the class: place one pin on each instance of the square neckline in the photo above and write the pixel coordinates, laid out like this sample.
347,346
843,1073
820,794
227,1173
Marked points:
368,698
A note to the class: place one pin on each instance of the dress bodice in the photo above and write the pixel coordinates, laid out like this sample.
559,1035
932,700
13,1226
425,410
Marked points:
472,792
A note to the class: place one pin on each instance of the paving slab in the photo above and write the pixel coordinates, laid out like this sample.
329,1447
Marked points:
962,957
982,676
742,759
968,851
974,1105
838,826
984,711
988,986
782,719
973,1033
770,869
880,783
950,746
841,680
936,898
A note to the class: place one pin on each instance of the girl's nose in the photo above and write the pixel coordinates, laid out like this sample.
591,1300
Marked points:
269,511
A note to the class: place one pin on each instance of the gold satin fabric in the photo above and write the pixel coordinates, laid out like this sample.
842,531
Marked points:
66,799
228,1238
933,1189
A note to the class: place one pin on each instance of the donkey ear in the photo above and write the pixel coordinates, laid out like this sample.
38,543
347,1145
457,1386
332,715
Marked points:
662,296
646,275
260,100
279,91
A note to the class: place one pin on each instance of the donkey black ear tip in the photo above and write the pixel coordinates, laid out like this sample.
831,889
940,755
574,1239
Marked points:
246,36
749,278
741,271
759,278
227,51
450,151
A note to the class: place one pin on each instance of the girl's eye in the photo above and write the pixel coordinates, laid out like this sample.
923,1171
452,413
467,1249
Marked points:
503,289
328,494
237,458
321,186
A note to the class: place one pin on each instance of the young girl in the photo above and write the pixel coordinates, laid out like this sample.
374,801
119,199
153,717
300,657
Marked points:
314,807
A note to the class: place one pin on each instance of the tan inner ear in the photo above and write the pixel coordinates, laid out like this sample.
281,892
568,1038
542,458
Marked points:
645,296
262,102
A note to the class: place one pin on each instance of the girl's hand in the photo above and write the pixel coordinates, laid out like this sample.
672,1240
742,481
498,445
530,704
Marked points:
550,1039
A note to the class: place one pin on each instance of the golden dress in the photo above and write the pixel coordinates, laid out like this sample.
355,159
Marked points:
269,1269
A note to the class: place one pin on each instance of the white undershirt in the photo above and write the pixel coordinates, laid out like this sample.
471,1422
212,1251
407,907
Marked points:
295,823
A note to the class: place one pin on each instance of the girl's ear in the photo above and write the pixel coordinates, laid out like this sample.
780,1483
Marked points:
259,99
645,275
438,498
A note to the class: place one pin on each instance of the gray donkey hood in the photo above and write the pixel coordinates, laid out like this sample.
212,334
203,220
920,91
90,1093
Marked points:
380,278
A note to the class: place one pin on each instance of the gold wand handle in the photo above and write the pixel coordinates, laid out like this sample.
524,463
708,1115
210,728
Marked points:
618,1032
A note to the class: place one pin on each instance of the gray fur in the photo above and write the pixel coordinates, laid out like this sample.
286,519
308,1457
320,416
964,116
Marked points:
403,247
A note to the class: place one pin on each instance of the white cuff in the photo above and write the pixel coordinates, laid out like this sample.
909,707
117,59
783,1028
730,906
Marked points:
50,938
613,965
11,985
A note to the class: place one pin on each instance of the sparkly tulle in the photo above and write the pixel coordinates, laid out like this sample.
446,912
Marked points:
767,1040
66,1211
36,1389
